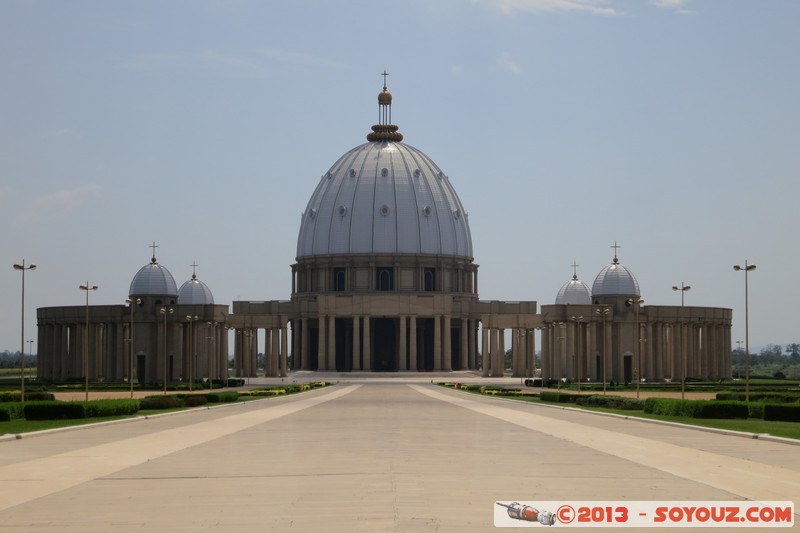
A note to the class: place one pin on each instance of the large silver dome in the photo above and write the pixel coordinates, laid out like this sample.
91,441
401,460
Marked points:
195,292
615,280
153,279
384,197
574,292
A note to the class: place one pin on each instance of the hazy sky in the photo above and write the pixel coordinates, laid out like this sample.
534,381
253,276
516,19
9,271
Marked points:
670,127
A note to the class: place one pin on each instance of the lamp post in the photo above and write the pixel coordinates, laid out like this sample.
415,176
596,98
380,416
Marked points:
747,268
683,288
133,304
21,267
739,352
191,362
165,311
86,288
603,312
637,342
578,354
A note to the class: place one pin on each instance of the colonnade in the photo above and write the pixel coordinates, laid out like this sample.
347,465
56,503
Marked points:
420,343
582,351
245,351
199,350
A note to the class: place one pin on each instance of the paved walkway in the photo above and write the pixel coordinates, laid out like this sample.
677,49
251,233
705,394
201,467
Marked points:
369,454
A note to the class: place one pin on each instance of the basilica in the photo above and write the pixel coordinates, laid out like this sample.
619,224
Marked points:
384,280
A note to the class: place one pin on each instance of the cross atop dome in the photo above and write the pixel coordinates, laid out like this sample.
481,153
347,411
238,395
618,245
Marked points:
153,246
574,266
615,247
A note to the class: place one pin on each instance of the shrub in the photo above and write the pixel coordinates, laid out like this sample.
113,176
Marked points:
120,407
195,400
696,408
160,402
611,402
54,410
786,413
755,410
30,396
771,397
5,416
222,397
558,397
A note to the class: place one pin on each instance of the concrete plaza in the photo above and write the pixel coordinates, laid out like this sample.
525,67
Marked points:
372,453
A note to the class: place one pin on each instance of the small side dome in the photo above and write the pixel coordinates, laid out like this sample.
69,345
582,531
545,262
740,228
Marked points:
153,279
615,280
195,292
574,292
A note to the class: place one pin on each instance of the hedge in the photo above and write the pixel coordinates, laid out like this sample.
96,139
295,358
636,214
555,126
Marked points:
771,397
119,407
222,397
611,402
558,397
54,410
160,402
195,400
33,396
696,408
783,412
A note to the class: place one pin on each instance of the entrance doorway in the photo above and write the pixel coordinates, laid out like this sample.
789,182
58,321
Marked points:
384,351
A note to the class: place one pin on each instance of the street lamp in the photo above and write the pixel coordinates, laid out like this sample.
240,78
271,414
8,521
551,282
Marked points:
86,288
603,312
165,311
23,268
637,341
191,361
683,288
738,353
578,354
133,304
747,268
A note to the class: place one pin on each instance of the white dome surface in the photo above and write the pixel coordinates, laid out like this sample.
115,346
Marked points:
384,197
574,292
615,279
153,279
195,292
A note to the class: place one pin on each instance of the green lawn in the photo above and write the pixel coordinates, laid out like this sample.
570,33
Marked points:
751,425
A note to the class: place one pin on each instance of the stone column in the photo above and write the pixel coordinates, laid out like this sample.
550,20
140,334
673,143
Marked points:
305,336
463,348
447,351
437,343
515,364
322,352
332,343
275,350
412,344
356,343
486,361
284,358
367,348
498,365
402,355
472,340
